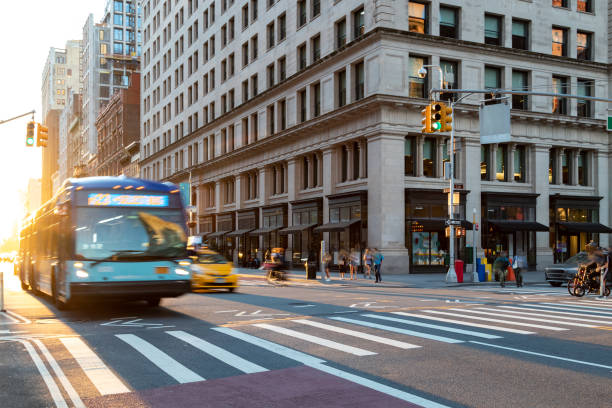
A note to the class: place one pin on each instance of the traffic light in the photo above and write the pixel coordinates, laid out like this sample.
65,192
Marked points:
30,134
447,118
436,116
42,136
426,121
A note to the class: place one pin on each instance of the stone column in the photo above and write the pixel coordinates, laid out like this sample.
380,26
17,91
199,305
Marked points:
473,185
602,183
238,193
510,164
439,158
264,186
559,164
218,196
320,171
310,169
419,156
574,176
362,159
329,179
493,162
541,155
386,209
350,164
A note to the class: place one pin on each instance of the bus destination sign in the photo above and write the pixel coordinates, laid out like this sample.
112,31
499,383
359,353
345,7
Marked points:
126,200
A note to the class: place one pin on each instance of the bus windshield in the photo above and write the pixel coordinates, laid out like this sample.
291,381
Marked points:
129,233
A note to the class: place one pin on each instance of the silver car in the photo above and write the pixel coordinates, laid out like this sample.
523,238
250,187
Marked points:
558,274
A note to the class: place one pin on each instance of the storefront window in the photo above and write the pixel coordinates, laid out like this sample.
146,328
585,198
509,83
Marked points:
577,214
484,162
426,249
500,162
519,164
582,169
334,215
565,166
552,164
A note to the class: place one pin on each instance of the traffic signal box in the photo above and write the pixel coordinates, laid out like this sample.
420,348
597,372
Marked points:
30,134
436,117
42,136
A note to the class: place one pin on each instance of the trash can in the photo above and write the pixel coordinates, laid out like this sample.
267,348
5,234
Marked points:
459,270
482,275
311,270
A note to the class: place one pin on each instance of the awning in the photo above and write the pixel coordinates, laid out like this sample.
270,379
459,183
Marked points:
263,231
296,228
574,227
217,234
239,233
336,226
514,225
436,224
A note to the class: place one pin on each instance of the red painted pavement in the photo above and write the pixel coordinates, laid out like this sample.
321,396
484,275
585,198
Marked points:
292,387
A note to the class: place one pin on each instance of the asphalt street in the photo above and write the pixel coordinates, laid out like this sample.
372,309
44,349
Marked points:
311,344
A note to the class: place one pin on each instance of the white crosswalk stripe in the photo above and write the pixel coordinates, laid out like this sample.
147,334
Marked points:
530,312
463,323
98,373
590,307
317,340
564,311
576,308
514,316
366,336
162,360
217,352
486,319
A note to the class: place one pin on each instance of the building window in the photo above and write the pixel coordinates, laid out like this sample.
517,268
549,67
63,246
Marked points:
583,45
359,81
584,105
520,83
254,90
282,27
358,23
118,6
282,68
118,34
429,157
566,171
552,166
253,10
560,3
448,22
270,115
270,75
492,78
118,19
519,164
560,86
450,76
501,156
341,88
341,33
282,112
520,34
417,85
559,41
582,168
270,35
316,100
485,155
586,6
493,33
316,8
417,20
315,46
409,156
302,105
301,14
301,51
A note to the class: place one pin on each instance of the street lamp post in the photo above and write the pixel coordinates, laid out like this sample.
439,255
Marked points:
451,275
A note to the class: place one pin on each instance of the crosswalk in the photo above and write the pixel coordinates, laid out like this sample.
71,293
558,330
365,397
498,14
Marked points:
523,290
179,354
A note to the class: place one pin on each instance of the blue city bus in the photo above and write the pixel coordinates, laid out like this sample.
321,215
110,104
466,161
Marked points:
109,238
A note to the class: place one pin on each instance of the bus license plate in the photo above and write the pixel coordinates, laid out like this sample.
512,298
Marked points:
161,269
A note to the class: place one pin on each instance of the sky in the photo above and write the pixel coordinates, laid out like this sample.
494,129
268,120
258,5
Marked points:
28,28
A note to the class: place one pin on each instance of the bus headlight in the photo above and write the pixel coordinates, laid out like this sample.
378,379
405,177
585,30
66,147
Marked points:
184,263
78,264
82,274
180,271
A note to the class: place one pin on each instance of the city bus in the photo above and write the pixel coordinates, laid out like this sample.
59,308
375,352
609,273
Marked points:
109,238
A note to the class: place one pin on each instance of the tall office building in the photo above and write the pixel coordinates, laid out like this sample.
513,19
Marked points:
298,123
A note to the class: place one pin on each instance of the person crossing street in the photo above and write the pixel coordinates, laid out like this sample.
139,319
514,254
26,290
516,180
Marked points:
378,260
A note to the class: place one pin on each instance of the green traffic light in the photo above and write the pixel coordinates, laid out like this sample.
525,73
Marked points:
30,141
436,125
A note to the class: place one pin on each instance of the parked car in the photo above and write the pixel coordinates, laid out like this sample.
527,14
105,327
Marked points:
559,274
210,270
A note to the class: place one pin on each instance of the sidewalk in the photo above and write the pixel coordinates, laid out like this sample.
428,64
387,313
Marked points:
432,280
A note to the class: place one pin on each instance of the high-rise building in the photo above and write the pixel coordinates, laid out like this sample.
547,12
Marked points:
298,123
111,52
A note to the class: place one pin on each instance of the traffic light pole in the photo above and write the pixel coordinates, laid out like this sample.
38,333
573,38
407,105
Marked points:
2,122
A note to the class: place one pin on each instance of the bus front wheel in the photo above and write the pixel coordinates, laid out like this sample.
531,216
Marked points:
153,302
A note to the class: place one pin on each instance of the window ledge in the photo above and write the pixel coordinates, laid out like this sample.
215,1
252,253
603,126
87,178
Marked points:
317,189
352,183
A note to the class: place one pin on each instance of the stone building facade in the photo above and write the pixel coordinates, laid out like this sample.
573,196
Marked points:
298,124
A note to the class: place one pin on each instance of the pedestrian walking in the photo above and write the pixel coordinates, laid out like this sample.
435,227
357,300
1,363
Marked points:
378,260
367,260
342,264
326,264
354,263
500,266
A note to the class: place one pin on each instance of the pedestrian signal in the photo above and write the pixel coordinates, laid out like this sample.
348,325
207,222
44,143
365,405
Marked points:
42,136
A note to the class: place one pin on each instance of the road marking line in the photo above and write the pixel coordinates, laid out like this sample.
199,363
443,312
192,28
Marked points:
486,319
484,326
74,396
398,330
545,315
56,394
217,352
543,355
371,337
596,302
317,340
510,315
318,364
98,373
20,317
557,311
433,326
579,307
162,360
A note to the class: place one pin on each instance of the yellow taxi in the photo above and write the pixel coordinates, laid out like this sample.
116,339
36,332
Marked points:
210,270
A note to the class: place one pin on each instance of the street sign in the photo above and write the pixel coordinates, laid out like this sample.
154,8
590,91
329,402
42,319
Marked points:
185,189
609,123
453,222
495,123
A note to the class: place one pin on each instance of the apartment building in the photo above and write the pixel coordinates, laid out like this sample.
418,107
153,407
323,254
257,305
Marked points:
298,124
